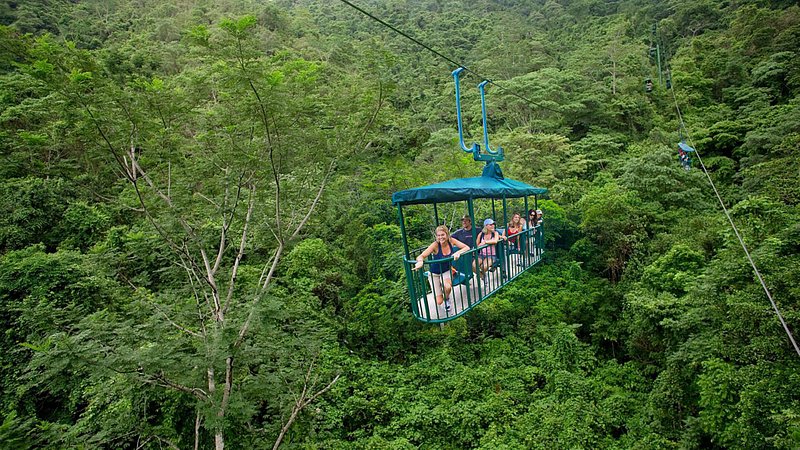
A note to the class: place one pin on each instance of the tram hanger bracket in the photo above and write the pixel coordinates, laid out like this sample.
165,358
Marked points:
490,155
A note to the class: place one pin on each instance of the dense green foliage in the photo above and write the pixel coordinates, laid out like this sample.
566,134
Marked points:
197,244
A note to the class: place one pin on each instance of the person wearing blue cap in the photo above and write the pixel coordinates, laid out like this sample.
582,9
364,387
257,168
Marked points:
487,256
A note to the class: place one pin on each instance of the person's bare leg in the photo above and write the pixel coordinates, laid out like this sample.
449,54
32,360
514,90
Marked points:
438,287
484,270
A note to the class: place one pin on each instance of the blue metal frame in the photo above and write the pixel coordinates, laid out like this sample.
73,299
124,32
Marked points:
491,155
499,152
476,149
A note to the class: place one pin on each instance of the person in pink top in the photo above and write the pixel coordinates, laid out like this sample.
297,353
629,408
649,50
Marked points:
489,237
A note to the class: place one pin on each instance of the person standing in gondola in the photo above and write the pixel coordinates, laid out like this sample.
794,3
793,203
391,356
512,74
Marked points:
442,248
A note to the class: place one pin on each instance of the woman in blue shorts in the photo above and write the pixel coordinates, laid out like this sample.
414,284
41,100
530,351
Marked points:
441,248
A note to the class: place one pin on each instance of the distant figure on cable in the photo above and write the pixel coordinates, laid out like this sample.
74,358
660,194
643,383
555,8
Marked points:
487,256
442,248
683,157
684,152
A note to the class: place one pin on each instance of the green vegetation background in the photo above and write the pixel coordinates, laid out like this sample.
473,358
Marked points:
133,133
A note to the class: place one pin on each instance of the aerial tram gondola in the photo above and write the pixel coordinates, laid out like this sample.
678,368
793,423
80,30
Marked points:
684,154
470,287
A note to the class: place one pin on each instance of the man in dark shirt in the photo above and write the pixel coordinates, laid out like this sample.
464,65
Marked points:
464,234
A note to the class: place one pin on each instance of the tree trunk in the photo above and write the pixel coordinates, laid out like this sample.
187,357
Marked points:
197,430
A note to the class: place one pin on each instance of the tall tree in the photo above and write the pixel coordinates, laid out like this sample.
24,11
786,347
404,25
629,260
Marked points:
227,164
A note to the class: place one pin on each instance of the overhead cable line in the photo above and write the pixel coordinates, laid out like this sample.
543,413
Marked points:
445,57
733,225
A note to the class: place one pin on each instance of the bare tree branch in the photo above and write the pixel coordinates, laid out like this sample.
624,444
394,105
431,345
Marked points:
197,430
170,444
242,243
212,385
264,270
140,446
201,319
174,324
204,197
213,284
316,199
163,381
225,223
275,260
227,388
193,276
137,170
243,330
299,405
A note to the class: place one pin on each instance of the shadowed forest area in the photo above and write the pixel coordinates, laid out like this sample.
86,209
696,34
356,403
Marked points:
198,247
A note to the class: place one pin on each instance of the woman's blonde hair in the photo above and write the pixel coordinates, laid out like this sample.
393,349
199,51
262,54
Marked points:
442,228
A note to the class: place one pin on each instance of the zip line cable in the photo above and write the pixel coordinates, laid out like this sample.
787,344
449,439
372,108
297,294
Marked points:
733,225
727,213
683,127
445,57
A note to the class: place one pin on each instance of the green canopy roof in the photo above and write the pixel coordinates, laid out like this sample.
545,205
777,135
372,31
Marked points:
489,185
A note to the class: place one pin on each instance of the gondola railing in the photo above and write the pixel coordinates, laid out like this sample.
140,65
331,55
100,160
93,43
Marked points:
470,285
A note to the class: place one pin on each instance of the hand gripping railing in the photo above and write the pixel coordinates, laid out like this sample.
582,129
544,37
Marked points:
470,283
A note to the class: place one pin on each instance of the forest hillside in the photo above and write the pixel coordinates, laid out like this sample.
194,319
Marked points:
198,247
